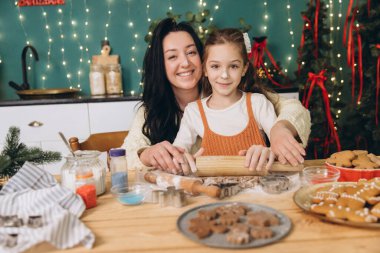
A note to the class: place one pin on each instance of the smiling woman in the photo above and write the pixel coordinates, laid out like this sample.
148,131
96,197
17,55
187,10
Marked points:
171,77
181,64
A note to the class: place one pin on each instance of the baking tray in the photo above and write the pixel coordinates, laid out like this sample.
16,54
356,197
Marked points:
302,198
219,240
47,93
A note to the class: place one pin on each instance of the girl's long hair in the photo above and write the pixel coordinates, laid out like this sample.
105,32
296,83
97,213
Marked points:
162,112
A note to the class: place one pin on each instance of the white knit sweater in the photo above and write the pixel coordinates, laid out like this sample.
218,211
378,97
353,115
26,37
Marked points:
286,109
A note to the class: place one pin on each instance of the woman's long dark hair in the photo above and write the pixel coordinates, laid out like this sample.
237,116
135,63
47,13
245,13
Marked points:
162,112
232,36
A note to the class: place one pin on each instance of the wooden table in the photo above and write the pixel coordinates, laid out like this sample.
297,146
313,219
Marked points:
149,228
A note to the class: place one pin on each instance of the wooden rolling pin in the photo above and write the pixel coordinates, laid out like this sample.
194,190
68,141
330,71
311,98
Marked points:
190,185
214,166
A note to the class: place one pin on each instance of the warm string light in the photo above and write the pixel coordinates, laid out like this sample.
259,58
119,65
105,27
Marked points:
265,17
170,6
108,20
291,33
86,23
136,39
50,41
76,38
216,8
62,36
147,12
211,19
27,41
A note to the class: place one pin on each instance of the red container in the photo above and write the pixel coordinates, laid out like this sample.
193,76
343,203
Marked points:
353,175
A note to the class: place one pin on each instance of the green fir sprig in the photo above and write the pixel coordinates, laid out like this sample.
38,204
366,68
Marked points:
15,154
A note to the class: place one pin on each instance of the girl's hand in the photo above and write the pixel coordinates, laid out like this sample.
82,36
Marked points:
163,156
258,158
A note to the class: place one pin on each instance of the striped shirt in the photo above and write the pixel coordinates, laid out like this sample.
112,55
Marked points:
35,192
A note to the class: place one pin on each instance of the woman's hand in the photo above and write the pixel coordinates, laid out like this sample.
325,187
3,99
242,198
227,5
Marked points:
189,165
164,156
258,157
284,145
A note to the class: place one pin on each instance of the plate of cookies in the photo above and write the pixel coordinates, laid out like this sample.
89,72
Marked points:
234,225
354,165
348,203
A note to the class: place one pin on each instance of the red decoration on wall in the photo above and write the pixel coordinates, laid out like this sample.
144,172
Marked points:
22,3
257,57
319,80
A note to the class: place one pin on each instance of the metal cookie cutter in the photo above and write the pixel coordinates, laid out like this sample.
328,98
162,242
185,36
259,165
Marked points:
35,221
12,221
170,197
275,184
10,240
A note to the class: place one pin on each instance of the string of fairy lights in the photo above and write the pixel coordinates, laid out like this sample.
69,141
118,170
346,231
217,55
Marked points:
83,38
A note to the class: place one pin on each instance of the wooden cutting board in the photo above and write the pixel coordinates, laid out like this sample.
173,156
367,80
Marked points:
213,166
105,58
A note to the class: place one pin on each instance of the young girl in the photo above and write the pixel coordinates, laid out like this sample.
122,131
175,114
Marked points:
230,121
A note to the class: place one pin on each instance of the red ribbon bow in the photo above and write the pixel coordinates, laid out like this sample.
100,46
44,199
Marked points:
319,79
257,53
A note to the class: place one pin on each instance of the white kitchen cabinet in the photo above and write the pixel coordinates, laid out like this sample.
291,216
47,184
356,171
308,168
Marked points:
39,124
112,116
43,122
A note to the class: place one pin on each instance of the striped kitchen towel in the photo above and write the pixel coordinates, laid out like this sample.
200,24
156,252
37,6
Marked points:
34,192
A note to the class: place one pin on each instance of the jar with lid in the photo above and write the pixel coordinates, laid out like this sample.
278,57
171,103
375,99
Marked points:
119,167
113,79
84,160
97,81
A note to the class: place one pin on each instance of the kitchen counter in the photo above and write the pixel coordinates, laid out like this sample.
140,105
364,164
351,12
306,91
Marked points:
76,100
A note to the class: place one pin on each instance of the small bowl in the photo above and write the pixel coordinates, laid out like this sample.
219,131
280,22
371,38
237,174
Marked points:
320,174
353,175
131,195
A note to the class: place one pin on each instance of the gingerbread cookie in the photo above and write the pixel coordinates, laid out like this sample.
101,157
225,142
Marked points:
363,162
262,219
261,233
342,158
229,219
376,210
238,237
207,214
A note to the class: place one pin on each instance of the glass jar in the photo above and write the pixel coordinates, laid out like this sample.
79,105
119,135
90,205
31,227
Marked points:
84,160
119,167
97,82
113,79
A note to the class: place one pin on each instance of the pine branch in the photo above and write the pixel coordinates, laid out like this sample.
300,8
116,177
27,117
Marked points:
15,154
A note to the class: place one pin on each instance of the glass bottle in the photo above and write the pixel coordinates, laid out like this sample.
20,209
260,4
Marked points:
119,167
113,79
84,160
97,82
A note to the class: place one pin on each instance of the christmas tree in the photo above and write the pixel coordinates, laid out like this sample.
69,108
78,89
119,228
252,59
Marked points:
319,89
359,127
15,154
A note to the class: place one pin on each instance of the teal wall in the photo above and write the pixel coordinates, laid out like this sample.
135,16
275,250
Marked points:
14,34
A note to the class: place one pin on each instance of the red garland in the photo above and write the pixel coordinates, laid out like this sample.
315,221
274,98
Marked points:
22,3
306,26
257,53
319,79
346,21
377,85
351,56
316,16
